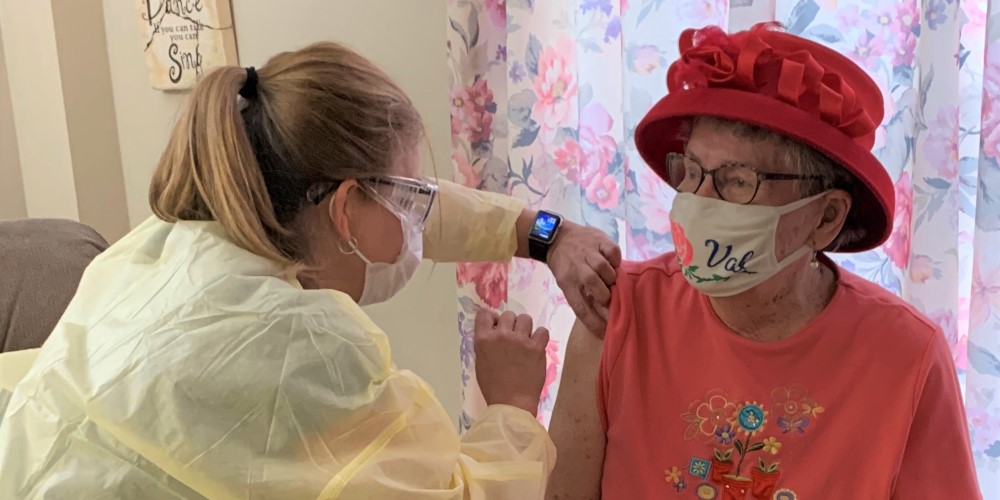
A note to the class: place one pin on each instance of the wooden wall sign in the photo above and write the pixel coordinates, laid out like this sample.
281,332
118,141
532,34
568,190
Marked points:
185,38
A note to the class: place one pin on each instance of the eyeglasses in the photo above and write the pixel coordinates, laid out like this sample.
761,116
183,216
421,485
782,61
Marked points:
411,199
733,182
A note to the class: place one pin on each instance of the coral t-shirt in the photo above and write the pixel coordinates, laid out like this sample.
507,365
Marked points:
863,403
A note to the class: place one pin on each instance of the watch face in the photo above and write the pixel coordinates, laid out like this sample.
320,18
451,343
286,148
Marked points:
545,226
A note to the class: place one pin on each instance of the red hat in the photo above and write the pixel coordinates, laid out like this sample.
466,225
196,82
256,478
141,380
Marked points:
784,83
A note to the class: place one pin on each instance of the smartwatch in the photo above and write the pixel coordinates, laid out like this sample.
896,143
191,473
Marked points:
543,234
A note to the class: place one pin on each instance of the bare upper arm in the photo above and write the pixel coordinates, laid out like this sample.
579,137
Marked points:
576,426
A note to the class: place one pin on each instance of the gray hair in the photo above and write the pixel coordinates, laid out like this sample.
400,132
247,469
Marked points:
808,162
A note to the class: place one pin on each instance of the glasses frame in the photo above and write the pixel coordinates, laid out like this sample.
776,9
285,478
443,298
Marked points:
761,176
318,192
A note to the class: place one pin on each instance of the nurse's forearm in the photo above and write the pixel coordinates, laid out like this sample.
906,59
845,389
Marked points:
473,226
478,226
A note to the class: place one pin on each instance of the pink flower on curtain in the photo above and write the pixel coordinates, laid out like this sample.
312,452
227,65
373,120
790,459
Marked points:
656,205
941,147
907,18
975,20
644,59
467,175
985,293
497,10
906,49
961,351
922,269
521,273
556,85
985,428
868,49
849,17
881,18
898,246
639,247
472,110
603,191
598,146
569,158
490,280
991,103
700,13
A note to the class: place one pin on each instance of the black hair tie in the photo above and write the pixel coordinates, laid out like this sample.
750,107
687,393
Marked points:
249,89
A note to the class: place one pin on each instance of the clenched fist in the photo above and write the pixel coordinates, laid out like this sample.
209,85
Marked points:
510,359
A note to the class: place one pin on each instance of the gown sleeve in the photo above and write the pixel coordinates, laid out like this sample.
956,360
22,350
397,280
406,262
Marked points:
467,225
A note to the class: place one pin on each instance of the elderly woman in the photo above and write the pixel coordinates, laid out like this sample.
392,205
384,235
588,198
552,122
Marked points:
747,365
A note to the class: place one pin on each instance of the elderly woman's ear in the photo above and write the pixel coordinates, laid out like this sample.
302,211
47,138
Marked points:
835,209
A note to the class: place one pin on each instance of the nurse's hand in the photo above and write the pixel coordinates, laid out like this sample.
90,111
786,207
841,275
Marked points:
510,359
584,262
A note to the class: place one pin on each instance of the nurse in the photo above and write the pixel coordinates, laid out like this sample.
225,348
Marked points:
219,350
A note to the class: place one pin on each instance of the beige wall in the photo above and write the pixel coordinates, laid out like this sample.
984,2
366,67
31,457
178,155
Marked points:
144,114
12,204
407,38
87,97
38,114
61,109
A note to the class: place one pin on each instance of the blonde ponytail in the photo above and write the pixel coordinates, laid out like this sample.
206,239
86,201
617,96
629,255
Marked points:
321,114
209,171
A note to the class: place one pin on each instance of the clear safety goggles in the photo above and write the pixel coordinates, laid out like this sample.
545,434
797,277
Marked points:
410,199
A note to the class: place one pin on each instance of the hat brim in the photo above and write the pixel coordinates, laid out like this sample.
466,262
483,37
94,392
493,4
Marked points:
660,133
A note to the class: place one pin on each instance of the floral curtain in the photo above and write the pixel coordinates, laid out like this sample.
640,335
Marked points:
545,96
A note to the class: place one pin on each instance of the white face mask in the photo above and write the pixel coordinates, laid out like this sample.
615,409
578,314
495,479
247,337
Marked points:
383,280
725,248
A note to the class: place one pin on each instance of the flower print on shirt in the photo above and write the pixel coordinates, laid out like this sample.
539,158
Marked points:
725,434
772,446
793,408
708,415
745,439
672,475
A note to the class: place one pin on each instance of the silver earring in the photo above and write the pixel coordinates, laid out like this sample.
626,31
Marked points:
814,263
352,246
